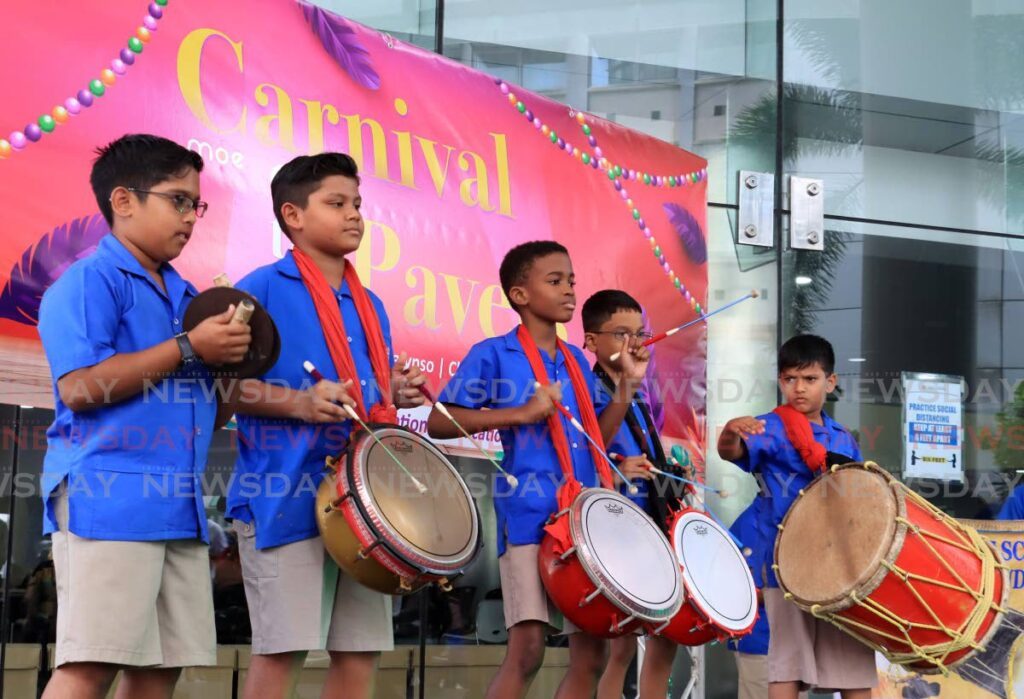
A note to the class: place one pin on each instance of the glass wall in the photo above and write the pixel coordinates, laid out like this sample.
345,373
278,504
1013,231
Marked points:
911,113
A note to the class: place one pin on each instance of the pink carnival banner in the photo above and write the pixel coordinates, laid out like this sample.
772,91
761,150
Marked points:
457,168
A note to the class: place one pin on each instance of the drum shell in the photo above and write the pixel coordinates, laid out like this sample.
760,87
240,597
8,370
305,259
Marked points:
688,628
952,606
343,544
568,584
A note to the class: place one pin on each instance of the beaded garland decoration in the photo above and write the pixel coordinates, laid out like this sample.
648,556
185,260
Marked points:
618,176
86,97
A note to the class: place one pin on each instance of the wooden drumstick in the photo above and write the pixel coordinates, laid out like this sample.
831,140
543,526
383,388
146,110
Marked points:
669,333
222,280
244,311
317,376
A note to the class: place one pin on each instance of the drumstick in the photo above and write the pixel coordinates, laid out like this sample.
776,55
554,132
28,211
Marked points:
222,280
441,408
654,469
633,490
669,333
244,311
317,376
717,491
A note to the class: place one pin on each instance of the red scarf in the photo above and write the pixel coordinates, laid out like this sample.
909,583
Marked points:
801,436
329,313
586,406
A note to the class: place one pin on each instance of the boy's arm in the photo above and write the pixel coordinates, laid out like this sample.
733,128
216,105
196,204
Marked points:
615,412
634,361
321,403
216,340
536,410
732,444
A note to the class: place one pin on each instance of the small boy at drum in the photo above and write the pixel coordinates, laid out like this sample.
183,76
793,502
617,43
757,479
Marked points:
298,599
538,280
804,652
132,570
611,317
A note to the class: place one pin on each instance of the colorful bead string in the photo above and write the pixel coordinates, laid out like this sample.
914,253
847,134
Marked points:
19,140
617,175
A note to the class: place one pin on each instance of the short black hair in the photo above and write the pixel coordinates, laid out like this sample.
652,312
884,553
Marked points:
804,350
301,176
517,262
603,305
138,161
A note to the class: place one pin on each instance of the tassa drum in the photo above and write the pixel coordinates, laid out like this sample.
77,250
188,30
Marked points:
381,529
863,551
721,598
619,572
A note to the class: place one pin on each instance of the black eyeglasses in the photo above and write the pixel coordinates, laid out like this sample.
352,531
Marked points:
621,335
181,203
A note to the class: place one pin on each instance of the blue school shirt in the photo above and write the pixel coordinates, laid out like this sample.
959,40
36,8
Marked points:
747,528
783,473
133,468
625,443
496,374
281,462
1013,508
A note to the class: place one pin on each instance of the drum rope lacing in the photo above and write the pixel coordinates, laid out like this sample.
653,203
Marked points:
959,639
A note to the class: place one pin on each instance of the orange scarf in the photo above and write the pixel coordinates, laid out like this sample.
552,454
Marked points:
586,406
329,313
801,436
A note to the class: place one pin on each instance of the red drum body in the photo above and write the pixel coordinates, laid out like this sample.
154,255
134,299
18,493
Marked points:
620,572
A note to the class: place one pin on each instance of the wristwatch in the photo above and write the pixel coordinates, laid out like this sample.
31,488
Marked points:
188,355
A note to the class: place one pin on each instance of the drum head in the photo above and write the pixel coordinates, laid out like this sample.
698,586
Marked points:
623,549
836,534
439,530
715,573
266,343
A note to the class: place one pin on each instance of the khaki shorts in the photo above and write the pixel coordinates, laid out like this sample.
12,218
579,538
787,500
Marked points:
299,600
522,591
753,676
812,651
137,603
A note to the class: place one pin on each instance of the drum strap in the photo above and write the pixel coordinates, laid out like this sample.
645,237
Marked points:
329,313
586,408
801,436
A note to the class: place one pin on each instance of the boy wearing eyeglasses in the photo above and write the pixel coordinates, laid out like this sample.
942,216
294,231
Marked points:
610,318
134,417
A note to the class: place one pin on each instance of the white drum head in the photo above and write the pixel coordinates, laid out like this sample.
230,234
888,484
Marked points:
715,573
623,549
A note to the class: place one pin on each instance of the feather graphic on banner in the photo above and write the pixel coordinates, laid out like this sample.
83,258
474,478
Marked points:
341,42
44,262
689,232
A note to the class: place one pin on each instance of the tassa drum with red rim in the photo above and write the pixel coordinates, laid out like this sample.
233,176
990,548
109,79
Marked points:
381,529
619,573
721,598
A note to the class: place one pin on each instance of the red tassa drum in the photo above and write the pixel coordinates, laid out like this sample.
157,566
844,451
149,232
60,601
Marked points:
863,551
619,573
721,598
